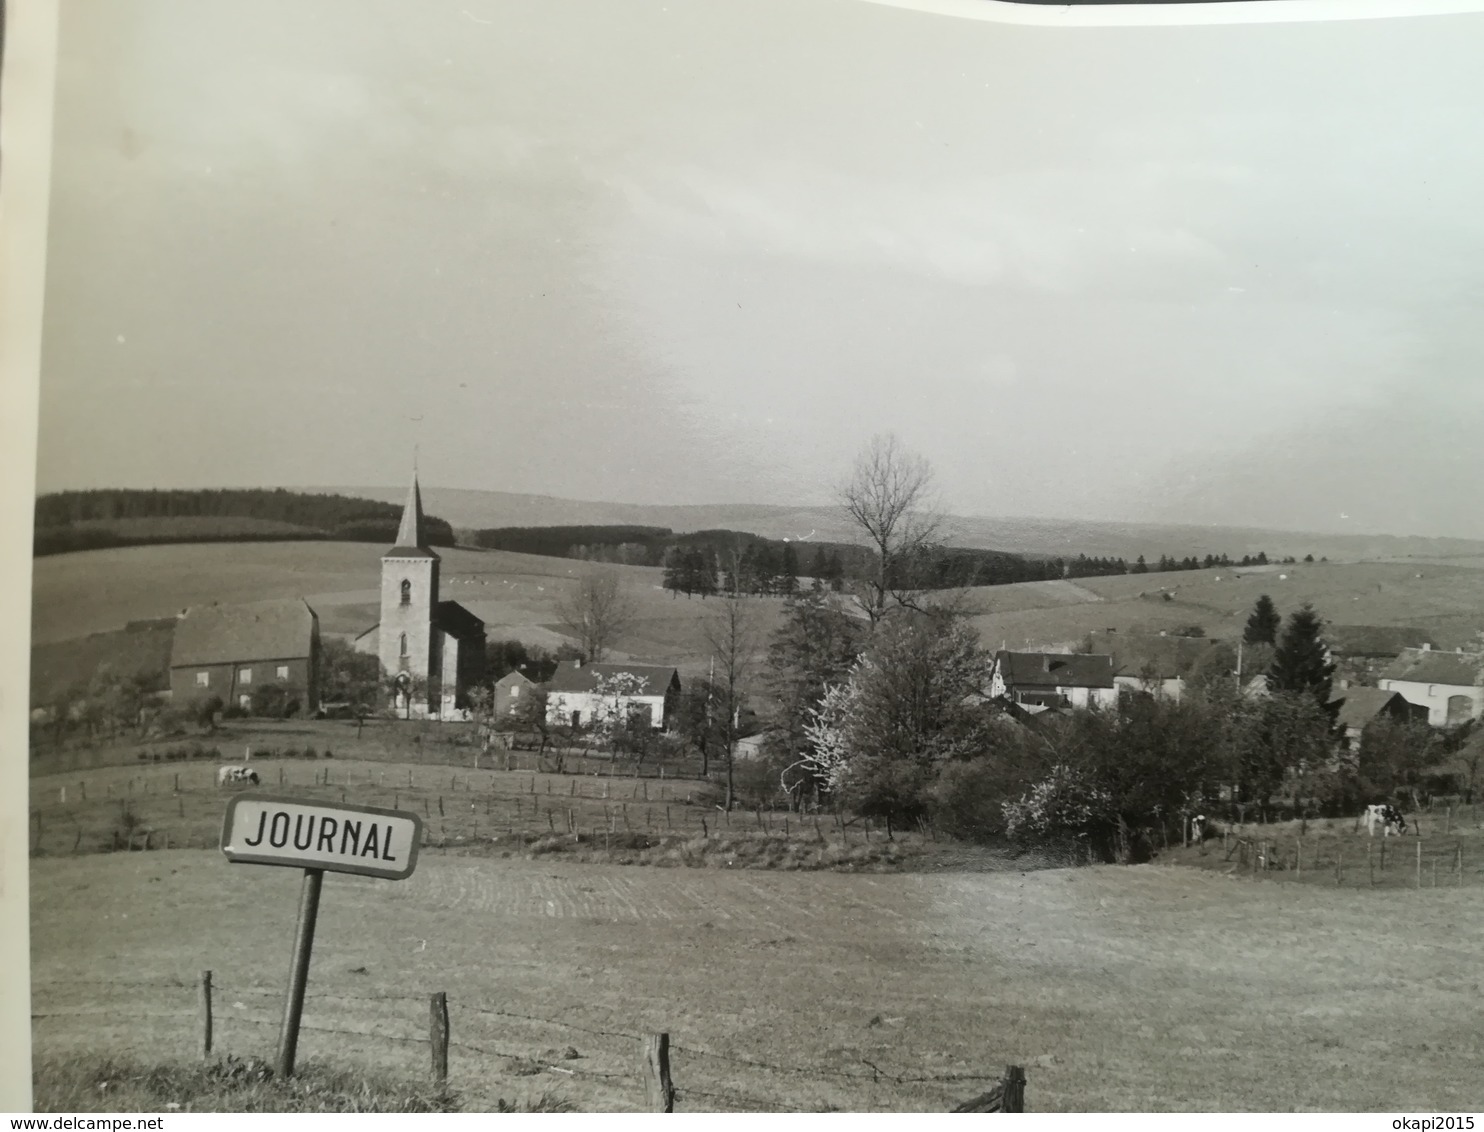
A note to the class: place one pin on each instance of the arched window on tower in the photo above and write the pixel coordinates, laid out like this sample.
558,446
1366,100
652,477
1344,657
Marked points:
404,645
406,592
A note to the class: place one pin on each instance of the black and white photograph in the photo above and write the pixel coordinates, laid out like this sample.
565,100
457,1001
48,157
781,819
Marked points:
752,556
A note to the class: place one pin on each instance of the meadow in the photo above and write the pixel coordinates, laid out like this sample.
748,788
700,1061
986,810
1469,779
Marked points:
595,811
95,591
1145,988
75,595
1444,600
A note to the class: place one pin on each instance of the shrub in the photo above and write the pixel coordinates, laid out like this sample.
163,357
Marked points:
1065,803
967,799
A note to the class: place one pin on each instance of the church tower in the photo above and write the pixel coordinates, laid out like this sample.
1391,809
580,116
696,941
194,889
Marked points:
409,642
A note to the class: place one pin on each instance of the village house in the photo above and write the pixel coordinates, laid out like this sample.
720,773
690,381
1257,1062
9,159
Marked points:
579,693
1039,681
1356,708
512,690
432,649
1362,652
1445,683
259,656
1155,663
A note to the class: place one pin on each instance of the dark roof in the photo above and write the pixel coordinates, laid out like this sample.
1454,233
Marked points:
571,677
1374,640
1433,666
226,634
411,542
457,621
1148,654
1055,670
1358,706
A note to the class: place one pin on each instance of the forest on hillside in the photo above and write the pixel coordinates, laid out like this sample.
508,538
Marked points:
90,520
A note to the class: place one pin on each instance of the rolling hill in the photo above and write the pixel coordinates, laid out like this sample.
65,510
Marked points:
1064,537
98,592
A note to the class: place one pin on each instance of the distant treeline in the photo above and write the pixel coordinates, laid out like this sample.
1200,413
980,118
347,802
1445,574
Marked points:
715,561
88,520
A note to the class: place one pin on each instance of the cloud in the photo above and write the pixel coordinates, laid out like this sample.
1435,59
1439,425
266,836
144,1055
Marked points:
1044,229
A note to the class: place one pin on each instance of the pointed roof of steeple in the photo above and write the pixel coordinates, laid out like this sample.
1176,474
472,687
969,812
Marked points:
410,540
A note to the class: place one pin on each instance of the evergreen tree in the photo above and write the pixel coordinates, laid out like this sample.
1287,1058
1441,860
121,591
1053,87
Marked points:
1301,662
820,568
788,577
1262,626
766,561
1140,566
706,582
674,578
837,572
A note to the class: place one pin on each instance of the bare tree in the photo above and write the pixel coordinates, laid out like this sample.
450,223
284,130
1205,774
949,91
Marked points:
732,633
889,497
596,612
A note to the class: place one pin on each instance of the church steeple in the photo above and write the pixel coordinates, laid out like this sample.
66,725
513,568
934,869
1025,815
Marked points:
410,533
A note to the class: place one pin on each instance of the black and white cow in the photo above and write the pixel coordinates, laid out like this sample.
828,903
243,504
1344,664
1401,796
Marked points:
1389,818
235,775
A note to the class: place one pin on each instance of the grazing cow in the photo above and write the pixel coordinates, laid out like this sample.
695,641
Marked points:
232,775
1389,818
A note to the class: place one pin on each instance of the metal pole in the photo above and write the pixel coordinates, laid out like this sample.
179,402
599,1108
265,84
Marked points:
288,1039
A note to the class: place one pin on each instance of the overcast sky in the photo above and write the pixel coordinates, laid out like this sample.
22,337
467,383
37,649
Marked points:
691,252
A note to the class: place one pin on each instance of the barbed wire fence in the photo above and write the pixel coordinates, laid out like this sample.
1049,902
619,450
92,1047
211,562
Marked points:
621,1063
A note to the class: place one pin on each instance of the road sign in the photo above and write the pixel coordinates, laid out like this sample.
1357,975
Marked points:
263,829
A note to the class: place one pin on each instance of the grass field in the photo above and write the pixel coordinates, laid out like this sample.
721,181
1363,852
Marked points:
516,594
1120,989
1447,601
591,812
94,591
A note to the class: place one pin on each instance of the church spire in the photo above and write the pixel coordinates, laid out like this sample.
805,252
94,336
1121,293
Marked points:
410,533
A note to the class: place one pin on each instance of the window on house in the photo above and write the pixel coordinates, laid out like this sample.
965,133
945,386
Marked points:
1432,689
244,676
244,702
203,679
406,592
403,646
514,691
283,671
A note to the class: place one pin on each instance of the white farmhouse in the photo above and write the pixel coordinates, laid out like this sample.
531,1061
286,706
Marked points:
1446,683
579,694
1049,680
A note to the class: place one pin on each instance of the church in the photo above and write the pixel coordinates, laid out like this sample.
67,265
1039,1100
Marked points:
433,649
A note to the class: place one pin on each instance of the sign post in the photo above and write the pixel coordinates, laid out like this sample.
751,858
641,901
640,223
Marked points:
263,829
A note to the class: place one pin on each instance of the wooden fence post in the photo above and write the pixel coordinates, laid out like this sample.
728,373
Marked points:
438,1035
204,1003
659,1093
1370,860
1419,862
1014,1089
